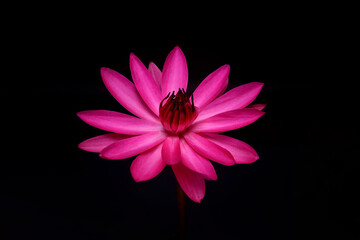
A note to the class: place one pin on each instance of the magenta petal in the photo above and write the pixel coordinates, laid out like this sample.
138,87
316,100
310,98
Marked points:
242,152
98,143
145,84
171,150
228,121
147,165
195,162
175,72
118,122
209,149
191,182
259,107
234,99
211,87
155,73
126,94
132,146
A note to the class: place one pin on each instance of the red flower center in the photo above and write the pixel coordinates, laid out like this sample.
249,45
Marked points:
178,112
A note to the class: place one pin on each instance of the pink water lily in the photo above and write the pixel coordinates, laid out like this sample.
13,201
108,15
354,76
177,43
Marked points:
172,128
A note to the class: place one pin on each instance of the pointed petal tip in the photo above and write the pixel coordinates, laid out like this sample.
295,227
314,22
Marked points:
177,51
259,113
101,155
81,114
260,84
137,180
226,67
215,178
84,146
251,160
104,69
133,57
255,85
104,156
80,146
254,158
259,107
177,48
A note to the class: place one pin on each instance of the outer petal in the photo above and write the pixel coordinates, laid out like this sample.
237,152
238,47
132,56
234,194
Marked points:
191,182
259,107
236,98
132,146
175,72
118,122
98,143
126,94
145,84
209,149
195,162
155,73
242,152
147,165
171,150
212,86
228,121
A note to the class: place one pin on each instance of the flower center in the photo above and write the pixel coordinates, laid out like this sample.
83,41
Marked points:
178,112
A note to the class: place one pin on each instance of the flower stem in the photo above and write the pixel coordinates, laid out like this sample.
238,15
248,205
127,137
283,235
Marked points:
182,214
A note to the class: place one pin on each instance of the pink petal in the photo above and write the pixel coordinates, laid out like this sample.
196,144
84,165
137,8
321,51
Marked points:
98,143
209,149
236,98
145,84
126,94
191,182
175,72
211,87
171,150
242,152
195,162
147,165
155,73
132,146
259,107
118,122
228,121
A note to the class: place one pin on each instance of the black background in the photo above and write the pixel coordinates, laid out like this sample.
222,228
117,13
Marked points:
304,184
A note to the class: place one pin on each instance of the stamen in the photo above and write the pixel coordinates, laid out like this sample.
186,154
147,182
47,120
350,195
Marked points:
177,112
192,102
164,99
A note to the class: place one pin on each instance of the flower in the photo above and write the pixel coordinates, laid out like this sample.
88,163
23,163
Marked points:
171,127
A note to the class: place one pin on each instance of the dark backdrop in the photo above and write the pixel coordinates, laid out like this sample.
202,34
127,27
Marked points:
304,184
